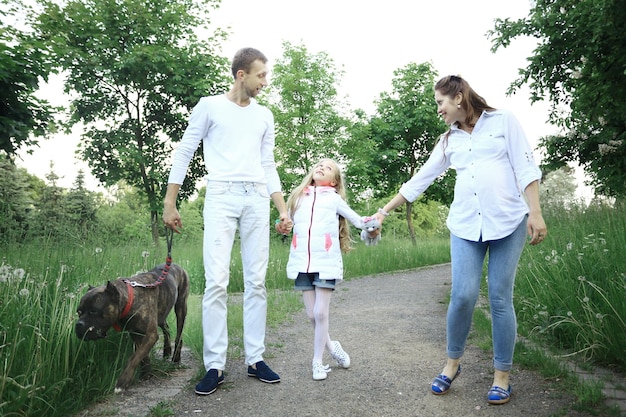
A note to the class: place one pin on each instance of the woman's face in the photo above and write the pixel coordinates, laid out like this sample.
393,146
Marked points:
447,108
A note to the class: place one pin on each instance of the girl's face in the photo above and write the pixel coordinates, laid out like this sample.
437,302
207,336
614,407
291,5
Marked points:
325,173
447,107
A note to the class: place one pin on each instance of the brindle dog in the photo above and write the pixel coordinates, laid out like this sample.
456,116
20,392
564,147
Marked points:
139,306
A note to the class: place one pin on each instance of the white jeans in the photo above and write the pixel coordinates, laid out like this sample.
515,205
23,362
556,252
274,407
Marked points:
229,205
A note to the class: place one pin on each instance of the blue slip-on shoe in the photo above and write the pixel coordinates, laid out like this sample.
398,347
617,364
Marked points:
263,373
209,383
441,384
498,395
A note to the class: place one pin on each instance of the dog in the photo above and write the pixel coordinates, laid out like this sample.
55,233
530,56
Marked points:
138,305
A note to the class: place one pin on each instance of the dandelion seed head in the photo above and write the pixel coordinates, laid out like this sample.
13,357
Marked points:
585,299
24,292
19,273
599,316
569,314
570,246
581,278
98,250
145,254
5,271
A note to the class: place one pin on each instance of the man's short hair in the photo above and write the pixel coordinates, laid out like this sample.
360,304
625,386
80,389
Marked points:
244,58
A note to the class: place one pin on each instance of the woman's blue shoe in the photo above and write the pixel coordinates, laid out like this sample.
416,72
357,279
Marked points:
441,384
498,395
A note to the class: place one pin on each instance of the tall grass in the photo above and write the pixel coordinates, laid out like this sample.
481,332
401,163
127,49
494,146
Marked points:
46,370
571,289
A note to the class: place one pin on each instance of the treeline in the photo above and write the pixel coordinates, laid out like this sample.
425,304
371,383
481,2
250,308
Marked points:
34,209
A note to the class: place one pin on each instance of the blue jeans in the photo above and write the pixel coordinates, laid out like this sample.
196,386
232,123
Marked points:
228,206
467,265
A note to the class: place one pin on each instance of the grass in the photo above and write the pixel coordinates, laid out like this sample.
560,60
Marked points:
570,298
570,295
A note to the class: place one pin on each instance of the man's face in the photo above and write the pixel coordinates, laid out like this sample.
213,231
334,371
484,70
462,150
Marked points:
256,79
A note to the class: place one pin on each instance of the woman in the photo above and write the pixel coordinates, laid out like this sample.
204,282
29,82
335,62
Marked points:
494,163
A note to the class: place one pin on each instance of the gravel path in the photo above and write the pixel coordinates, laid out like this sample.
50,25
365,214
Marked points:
393,327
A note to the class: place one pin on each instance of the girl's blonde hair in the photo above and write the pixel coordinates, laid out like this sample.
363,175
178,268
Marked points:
293,202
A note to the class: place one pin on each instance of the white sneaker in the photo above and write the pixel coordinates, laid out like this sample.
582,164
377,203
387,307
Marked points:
320,371
340,355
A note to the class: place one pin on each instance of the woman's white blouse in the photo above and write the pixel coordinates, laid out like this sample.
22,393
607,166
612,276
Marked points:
494,164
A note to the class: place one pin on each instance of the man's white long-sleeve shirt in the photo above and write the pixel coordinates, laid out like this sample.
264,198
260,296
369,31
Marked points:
238,143
494,164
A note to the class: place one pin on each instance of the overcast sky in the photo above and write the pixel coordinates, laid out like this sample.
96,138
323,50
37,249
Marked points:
368,39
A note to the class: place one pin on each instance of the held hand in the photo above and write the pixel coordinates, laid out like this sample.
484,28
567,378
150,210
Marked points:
380,217
537,230
171,218
283,225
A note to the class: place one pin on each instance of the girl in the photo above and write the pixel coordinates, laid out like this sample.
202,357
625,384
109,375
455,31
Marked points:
321,232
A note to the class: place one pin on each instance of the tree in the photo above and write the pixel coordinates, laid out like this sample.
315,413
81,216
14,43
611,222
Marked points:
136,69
580,66
406,127
558,189
24,62
80,207
15,201
303,99
49,219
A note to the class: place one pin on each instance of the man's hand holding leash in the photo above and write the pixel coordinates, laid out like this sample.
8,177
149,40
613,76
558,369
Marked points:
171,216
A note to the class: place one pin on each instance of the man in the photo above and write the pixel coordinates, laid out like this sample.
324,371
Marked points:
238,143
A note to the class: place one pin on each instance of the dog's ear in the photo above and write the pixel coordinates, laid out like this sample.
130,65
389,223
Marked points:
112,291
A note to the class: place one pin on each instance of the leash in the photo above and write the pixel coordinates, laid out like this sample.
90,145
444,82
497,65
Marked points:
169,235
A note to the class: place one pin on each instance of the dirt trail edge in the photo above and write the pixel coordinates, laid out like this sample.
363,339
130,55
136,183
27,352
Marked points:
393,327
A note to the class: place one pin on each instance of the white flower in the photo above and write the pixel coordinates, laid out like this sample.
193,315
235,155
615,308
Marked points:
5,271
98,250
145,254
19,273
